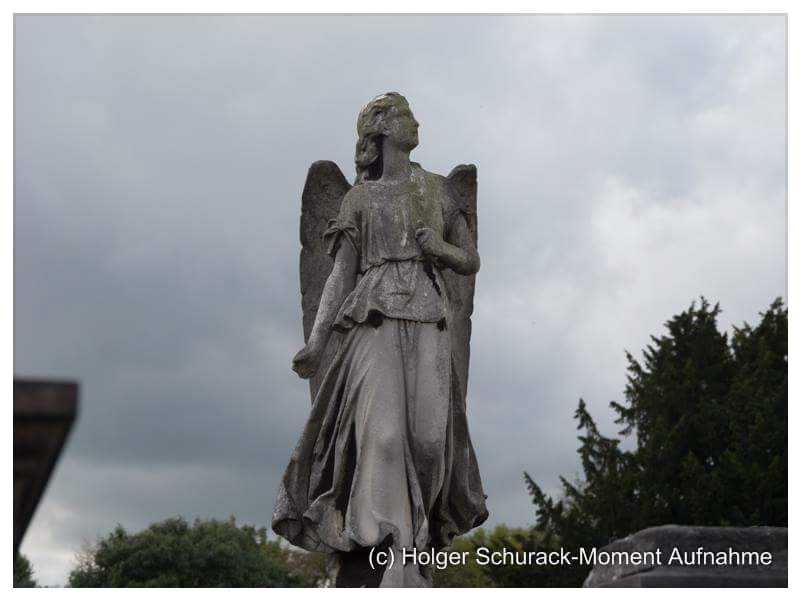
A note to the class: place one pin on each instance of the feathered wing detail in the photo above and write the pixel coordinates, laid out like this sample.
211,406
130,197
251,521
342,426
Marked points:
460,288
322,196
462,502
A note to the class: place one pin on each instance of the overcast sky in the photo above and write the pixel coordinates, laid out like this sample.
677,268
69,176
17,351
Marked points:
626,166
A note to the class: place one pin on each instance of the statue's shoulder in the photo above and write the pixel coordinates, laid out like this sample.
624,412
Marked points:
358,190
439,184
428,176
354,198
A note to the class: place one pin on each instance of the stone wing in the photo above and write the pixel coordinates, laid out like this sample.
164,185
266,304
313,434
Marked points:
322,196
461,289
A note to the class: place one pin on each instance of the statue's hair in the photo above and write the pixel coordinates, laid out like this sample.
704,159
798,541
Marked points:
371,128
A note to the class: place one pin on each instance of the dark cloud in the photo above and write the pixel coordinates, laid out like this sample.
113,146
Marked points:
627,165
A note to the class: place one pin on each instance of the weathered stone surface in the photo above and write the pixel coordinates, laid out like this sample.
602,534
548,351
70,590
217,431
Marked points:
322,196
385,462
688,540
461,289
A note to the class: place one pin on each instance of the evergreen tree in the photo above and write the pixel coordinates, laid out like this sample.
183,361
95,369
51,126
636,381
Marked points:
23,572
710,419
599,508
755,465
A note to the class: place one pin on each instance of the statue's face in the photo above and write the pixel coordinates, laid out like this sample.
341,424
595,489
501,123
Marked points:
402,128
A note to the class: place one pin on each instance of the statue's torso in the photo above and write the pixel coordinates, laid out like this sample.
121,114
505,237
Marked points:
395,279
391,215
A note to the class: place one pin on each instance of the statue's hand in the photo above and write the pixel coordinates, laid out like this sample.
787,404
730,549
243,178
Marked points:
430,241
306,362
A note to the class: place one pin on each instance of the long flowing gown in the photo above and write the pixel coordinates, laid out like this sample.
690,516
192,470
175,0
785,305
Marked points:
385,458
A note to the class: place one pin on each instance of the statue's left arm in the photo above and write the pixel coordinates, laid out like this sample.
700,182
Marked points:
458,251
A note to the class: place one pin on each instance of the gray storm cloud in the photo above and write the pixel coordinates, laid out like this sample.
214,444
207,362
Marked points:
626,166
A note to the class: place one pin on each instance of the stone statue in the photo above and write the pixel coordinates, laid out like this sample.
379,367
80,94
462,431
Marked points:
387,273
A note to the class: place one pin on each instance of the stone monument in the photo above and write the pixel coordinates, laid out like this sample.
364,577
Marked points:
387,271
693,556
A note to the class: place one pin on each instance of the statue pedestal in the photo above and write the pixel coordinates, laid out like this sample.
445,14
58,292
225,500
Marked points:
684,556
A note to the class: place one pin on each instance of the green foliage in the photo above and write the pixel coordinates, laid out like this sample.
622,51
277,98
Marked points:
518,542
23,572
314,569
710,418
172,553
472,574
591,512
469,575
756,460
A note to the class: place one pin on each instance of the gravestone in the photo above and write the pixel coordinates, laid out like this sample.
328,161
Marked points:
693,556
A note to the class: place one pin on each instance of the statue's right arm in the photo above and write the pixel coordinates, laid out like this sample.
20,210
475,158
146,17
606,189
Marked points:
339,284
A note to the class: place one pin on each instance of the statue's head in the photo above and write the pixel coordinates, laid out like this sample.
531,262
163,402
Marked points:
386,117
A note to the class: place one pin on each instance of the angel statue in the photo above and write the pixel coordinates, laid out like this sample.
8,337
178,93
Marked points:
385,466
